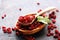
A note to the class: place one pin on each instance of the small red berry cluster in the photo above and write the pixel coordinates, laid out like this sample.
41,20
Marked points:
34,25
52,26
26,19
8,30
30,27
52,15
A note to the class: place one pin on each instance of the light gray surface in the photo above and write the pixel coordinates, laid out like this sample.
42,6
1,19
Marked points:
11,9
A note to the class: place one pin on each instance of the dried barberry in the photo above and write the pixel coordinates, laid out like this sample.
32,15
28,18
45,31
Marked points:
9,30
2,17
56,32
38,3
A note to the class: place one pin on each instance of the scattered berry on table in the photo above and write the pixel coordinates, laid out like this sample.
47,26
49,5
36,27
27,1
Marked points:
9,30
57,10
20,9
4,29
38,3
2,17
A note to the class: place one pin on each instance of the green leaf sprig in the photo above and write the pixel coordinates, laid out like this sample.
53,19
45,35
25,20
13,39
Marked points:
44,20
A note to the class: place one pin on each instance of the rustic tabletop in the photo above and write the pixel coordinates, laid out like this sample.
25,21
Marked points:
11,9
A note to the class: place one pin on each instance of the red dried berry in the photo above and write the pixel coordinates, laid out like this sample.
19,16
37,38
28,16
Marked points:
18,27
48,34
31,27
2,17
38,3
26,21
27,18
53,13
58,38
39,10
50,16
31,18
53,20
9,31
4,29
57,10
17,33
14,28
21,18
20,9
52,25
56,32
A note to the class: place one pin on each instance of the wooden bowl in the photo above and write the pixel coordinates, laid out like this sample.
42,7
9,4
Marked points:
29,32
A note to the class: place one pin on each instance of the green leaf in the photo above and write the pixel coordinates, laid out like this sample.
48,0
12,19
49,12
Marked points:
39,17
44,20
